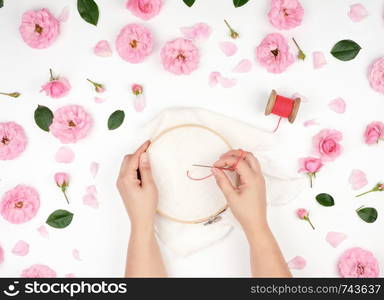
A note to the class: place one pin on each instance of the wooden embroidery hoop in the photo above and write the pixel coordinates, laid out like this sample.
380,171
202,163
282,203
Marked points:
213,217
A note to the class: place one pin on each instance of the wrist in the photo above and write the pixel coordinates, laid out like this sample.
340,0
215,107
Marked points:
256,230
142,230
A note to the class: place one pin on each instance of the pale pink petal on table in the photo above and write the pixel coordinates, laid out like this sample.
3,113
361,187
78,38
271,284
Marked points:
358,179
228,48
335,238
65,155
298,95
1,255
357,12
94,168
103,49
76,254
91,190
318,59
90,200
297,263
63,17
99,100
198,32
139,103
43,231
214,78
70,275
227,82
337,105
21,248
244,66
311,122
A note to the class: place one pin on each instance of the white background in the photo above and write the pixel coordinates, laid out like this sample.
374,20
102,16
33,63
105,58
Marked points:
102,235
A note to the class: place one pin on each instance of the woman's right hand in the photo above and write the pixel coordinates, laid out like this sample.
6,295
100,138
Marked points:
247,199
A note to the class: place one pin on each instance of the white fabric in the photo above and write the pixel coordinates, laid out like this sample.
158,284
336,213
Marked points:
172,155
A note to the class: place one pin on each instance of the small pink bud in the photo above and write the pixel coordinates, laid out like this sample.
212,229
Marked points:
302,213
137,89
62,179
100,89
381,187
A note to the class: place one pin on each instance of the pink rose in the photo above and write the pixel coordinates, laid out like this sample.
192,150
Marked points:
56,88
12,140
326,144
39,29
357,262
137,89
180,56
144,9
285,14
310,164
374,132
70,124
376,75
61,179
38,271
20,204
273,53
134,43
302,213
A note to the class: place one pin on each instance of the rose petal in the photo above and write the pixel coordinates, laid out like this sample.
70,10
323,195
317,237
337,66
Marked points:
214,78
99,100
43,231
227,82
310,123
297,263
357,179
102,49
70,275
76,254
91,190
21,248
199,31
228,48
357,12
64,155
298,95
337,105
244,66
94,168
318,60
63,17
335,238
1,255
90,200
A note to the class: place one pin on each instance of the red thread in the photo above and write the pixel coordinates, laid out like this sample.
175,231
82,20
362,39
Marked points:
233,168
283,107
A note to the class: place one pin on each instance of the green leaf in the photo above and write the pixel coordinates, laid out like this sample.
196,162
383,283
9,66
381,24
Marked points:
43,117
116,119
1,3
345,50
60,218
367,214
325,199
88,10
238,3
189,2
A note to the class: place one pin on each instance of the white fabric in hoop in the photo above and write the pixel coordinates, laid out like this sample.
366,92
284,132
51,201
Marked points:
174,153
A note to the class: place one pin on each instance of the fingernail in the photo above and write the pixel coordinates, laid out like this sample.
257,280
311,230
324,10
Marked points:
144,159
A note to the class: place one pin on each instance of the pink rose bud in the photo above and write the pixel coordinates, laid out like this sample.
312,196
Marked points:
377,188
99,88
374,132
310,165
56,87
303,214
137,89
62,181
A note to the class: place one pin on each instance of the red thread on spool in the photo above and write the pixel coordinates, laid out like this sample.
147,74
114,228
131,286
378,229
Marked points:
233,168
283,107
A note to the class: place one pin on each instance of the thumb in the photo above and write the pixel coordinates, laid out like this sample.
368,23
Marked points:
145,170
224,183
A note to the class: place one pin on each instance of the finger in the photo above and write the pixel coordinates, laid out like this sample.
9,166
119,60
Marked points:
243,169
130,164
224,183
248,157
125,176
145,170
